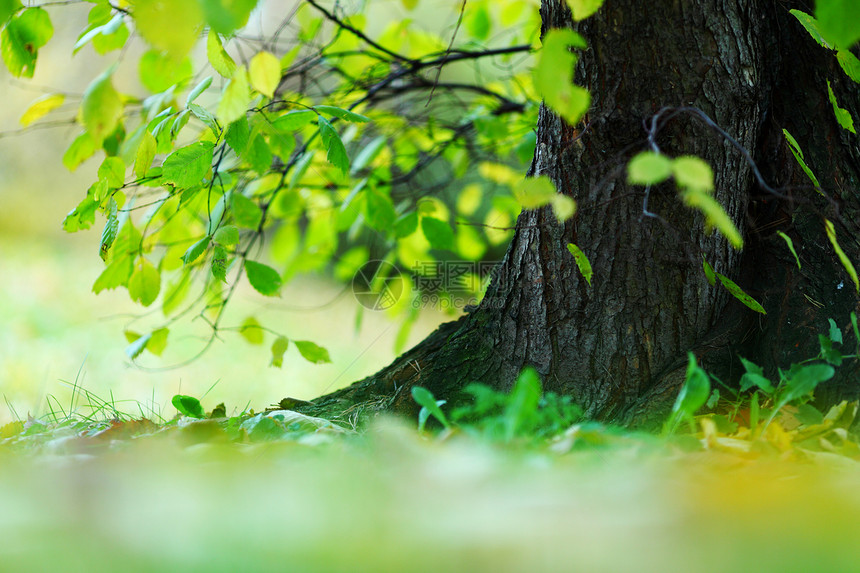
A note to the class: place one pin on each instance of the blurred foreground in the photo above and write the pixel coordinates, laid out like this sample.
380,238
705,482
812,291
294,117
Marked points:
393,500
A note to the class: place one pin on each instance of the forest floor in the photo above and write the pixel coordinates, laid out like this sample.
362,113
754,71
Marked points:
98,490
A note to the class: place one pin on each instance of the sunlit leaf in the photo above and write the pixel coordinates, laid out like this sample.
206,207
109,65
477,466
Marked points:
251,330
843,117
843,258
693,173
648,168
438,233
312,352
235,98
582,9
218,57
839,21
534,192
41,107
194,251
581,261
169,25
188,165
227,235
335,151
144,283
739,294
101,107
279,346
790,245
265,73
188,406
263,278
21,39
715,215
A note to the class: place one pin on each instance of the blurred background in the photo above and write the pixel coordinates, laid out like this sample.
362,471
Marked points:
57,335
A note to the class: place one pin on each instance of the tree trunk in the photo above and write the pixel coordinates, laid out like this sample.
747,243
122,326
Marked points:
618,346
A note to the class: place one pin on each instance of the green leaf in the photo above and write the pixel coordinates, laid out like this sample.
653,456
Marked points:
839,21
112,172
188,406
843,117
827,352
714,213
218,57
81,217
811,25
521,410
158,71
263,278
144,283
101,108
41,107
693,395
206,117
581,261
21,39
425,399
754,377
7,8
81,149
235,98
116,274
368,153
226,16
227,235
311,352
138,343
198,89
648,168
379,210
849,64
188,165
563,206
293,120
194,251
803,381
335,151
110,230
252,331
219,263
265,73
834,334
279,346
438,233
553,75
478,22
709,272
582,9
534,192
843,258
246,213
739,294
790,244
343,114
145,154
693,173
171,26
798,156
158,341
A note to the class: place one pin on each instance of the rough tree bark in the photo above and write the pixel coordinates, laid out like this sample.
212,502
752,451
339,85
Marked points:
618,347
